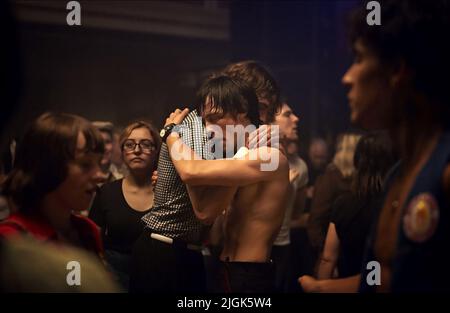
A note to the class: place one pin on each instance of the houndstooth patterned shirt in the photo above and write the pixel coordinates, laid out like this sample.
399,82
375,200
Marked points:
172,214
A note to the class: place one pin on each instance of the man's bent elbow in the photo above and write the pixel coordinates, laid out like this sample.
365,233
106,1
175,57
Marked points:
205,218
185,177
188,175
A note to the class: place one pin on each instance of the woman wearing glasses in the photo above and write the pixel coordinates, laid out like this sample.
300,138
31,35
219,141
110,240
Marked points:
119,206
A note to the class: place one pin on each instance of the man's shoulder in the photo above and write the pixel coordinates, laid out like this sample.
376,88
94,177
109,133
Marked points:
191,119
270,162
272,159
269,152
302,164
298,163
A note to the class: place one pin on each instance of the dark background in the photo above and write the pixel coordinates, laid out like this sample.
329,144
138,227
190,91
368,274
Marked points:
130,62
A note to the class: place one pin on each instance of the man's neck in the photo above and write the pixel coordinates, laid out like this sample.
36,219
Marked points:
412,137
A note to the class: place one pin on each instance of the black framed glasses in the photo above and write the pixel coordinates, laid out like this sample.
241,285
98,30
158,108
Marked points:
145,145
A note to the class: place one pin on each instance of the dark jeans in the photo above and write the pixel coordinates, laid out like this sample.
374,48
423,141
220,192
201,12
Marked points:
160,267
302,258
248,277
281,256
119,265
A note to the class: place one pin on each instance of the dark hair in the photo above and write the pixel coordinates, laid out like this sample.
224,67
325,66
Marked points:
417,32
258,78
373,158
10,63
104,127
43,155
231,96
142,124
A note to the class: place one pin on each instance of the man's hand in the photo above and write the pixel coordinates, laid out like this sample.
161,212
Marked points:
176,117
154,178
309,283
265,135
340,285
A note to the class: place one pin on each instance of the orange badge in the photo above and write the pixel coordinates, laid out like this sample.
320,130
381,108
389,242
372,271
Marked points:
421,218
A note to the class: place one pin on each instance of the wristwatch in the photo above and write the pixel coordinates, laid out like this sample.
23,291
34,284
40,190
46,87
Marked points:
165,132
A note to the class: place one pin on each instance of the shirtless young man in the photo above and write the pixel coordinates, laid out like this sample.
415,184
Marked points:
256,213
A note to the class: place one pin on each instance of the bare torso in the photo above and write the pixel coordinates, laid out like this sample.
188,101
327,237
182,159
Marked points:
254,219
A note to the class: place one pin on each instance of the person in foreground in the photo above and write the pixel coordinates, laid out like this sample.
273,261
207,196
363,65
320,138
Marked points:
399,82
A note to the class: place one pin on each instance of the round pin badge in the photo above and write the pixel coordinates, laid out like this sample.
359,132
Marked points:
421,218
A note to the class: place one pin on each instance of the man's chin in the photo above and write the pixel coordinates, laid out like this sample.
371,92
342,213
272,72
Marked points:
357,121
292,137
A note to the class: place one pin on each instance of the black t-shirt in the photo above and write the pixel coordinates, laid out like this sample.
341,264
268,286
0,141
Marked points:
352,217
121,225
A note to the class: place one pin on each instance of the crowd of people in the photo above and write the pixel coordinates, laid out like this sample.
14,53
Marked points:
219,199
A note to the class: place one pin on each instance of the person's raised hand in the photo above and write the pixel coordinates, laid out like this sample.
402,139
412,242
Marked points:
176,117
154,178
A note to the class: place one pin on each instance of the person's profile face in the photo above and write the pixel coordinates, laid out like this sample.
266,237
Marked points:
216,123
83,173
369,89
287,121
